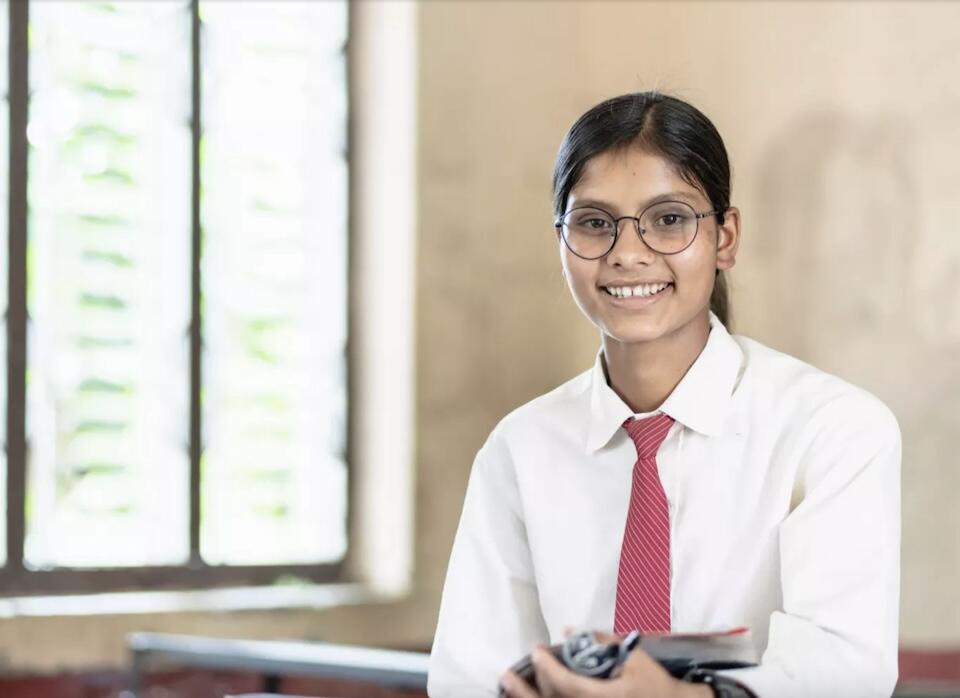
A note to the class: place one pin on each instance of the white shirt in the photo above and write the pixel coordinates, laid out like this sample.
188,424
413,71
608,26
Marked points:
783,484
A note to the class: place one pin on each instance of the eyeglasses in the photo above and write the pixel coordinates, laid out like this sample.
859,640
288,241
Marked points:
666,227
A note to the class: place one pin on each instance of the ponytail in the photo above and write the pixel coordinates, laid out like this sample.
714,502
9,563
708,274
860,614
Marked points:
719,300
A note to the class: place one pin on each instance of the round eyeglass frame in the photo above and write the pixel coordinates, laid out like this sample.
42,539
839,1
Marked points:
558,224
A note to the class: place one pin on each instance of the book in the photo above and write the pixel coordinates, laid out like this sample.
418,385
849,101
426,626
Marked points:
734,645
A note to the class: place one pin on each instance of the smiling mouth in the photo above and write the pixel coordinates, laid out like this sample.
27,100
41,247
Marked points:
641,291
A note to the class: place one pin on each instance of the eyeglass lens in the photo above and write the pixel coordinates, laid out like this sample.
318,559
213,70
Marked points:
666,227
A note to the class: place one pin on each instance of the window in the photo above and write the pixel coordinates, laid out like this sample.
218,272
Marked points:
177,319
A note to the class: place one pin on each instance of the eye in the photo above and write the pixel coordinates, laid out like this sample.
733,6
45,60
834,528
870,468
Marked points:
596,223
590,222
669,220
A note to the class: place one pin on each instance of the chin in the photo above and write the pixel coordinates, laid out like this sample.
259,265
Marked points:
636,332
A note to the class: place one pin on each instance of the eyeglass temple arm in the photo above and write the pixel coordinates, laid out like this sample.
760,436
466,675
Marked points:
701,216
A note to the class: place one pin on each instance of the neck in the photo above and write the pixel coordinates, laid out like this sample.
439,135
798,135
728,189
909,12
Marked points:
644,374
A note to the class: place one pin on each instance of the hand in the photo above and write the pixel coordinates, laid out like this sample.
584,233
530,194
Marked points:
641,677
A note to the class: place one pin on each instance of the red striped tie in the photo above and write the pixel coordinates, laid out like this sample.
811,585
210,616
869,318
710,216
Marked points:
643,582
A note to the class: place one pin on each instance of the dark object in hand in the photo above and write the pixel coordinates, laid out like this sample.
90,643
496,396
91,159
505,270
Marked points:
582,654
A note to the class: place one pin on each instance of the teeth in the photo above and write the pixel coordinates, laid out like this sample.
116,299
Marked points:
641,291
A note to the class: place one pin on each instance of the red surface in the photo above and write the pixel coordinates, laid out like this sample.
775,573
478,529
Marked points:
930,665
343,689
183,684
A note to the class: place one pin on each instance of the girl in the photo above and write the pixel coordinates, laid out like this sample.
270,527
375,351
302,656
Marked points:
692,480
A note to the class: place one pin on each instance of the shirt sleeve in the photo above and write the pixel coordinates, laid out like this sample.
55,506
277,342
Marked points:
489,614
839,563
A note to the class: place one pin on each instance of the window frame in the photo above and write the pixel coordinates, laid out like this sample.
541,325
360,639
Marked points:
195,573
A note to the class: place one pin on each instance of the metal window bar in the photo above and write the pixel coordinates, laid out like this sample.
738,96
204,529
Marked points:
17,285
196,346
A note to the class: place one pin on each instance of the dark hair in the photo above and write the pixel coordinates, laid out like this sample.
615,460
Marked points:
664,125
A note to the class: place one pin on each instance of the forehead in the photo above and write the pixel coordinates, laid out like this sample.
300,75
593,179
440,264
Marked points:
627,177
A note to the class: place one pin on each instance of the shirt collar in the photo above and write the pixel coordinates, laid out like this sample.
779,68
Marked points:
700,401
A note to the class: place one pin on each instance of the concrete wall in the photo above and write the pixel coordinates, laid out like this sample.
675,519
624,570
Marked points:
843,124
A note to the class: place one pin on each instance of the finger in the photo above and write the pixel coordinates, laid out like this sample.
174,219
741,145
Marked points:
517,687
641,671
556,681
641,666
638,660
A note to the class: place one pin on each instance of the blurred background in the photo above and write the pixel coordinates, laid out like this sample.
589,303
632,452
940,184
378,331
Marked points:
275,269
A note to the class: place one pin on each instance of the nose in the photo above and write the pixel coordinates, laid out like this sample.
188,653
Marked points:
630,249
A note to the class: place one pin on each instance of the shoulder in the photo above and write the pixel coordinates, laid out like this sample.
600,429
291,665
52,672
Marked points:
811,399
526,429
561,407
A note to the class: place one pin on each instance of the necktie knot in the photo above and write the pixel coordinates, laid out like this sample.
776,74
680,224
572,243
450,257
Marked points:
648,434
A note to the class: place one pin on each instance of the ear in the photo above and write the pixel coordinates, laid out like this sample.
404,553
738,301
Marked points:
728,239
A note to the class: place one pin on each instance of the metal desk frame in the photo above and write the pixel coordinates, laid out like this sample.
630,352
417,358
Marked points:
273,659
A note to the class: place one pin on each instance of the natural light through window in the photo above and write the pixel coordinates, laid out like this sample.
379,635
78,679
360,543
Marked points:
274,271
108,284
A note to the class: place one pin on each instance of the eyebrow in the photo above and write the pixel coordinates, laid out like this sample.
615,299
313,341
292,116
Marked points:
659,198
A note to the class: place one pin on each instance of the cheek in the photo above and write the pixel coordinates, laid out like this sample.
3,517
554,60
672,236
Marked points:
578,273
696,267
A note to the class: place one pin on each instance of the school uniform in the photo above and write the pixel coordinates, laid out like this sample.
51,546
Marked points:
783,492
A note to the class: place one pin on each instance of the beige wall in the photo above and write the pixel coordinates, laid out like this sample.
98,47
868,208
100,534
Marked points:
842,123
